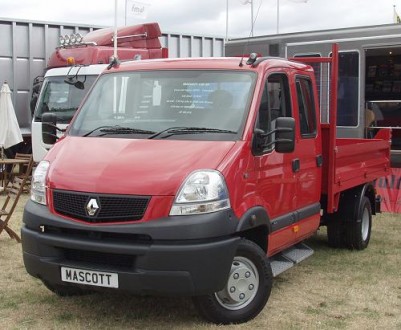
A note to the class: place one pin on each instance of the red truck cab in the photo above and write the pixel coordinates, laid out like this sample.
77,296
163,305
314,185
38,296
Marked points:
197,177
96,47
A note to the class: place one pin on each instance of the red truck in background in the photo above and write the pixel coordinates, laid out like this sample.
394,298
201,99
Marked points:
198,177
73,67
96,47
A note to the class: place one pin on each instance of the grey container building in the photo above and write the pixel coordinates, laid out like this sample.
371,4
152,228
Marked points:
26,46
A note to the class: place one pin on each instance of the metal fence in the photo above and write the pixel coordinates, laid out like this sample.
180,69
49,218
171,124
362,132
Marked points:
26,45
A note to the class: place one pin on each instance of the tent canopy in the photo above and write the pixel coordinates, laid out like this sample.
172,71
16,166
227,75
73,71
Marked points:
10,133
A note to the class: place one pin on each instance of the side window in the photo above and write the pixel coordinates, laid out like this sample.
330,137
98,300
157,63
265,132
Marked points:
275,103
317,69
306,107
348,86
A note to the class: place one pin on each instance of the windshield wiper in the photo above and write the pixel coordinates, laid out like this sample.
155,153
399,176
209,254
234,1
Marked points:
106,130
188,130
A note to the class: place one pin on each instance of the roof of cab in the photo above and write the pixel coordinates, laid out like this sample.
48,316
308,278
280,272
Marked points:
208,63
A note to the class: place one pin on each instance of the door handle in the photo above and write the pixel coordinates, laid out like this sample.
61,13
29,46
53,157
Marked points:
296,165
319,160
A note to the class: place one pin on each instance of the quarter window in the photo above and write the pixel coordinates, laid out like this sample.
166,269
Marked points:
306,107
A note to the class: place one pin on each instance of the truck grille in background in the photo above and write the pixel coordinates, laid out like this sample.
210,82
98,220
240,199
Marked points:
112,208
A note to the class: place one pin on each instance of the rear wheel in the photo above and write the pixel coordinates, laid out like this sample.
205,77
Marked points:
247,289
335,233
359,229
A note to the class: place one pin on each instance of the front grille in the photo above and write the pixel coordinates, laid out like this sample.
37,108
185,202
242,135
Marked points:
104,236
100,259
108,208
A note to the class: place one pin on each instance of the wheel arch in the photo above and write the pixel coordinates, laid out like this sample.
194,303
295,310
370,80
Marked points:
355,195
370,193
255,226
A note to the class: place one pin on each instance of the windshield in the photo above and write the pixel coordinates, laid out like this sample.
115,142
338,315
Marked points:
186,104
61,98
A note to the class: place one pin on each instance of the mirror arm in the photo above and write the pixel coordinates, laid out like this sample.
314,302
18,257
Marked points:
50,134
275,141
269,144
62,130
283,140
262,134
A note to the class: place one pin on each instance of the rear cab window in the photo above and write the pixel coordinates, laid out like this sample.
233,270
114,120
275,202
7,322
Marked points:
306,107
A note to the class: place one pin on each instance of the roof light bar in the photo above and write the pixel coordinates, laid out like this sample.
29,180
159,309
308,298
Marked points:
69,40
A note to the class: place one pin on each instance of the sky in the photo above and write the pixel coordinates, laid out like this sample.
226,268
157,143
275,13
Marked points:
209,17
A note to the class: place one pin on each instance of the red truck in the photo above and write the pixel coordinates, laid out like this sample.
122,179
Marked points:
198,177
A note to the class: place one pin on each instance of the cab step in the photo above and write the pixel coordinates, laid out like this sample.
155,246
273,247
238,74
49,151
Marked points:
289,258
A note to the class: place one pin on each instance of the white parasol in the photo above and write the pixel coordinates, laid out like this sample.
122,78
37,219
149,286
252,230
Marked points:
10,133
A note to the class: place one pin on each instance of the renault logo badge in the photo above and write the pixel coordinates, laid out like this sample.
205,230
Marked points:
92,207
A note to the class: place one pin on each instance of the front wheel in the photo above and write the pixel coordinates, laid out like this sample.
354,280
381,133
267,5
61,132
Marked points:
247,289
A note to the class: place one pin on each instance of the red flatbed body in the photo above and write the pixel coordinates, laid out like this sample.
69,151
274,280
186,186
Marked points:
353,163
347,162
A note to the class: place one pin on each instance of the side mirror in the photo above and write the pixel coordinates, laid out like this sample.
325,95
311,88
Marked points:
49,128
75,82
79,84
285,134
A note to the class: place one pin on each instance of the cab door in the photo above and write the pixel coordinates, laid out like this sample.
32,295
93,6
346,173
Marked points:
288,184
276,181
307,161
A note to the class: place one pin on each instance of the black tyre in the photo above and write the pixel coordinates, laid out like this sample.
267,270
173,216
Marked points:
247,289
335,233
359,229
65,290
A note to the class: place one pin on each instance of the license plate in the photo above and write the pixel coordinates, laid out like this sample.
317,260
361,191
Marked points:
89,277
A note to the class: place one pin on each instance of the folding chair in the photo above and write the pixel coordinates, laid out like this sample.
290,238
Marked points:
23,170
14,190
2,177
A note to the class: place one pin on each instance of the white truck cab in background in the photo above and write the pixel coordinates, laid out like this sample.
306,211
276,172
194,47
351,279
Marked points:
62,92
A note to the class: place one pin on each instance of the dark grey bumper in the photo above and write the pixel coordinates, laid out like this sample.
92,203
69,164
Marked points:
188,255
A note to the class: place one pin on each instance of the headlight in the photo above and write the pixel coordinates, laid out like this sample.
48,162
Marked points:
38,186
203,191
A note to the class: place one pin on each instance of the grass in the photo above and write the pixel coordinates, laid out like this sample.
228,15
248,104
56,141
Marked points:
334,289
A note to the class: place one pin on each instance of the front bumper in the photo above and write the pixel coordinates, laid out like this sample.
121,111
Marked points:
188,255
